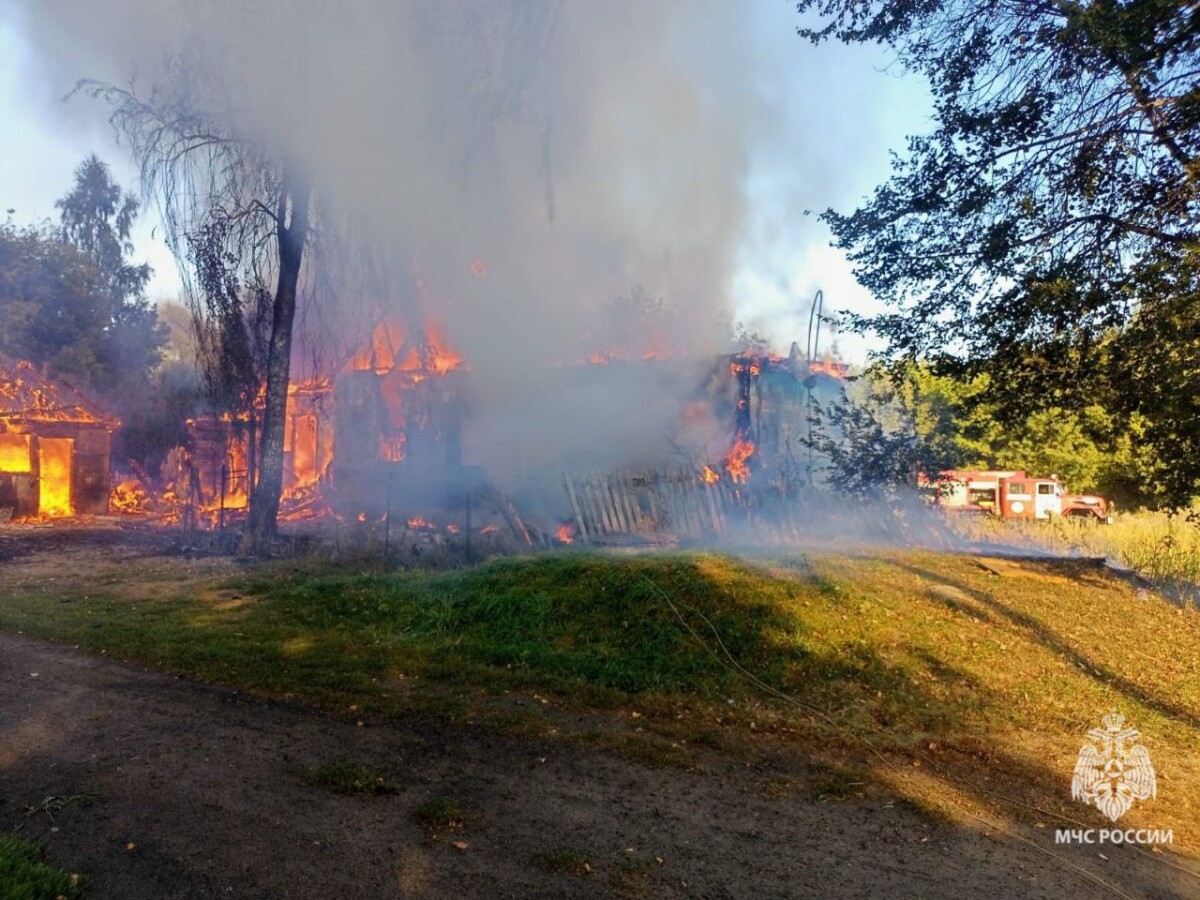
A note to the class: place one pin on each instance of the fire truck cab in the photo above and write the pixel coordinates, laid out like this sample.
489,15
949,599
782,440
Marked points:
1013,494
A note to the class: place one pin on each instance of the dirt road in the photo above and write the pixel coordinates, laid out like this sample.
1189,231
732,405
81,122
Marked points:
197,798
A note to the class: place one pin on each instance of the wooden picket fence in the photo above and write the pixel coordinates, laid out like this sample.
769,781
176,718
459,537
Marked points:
679,503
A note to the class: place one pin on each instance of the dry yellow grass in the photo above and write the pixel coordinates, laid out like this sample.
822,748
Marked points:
1161,546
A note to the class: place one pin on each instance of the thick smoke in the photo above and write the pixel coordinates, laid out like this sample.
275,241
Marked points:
513,166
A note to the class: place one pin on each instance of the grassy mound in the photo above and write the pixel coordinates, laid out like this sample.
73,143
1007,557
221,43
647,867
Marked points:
564,622
987,672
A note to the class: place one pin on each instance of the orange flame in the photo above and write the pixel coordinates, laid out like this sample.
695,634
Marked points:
566,533
737,461
129,497
15,453
54,495
392,350
710,475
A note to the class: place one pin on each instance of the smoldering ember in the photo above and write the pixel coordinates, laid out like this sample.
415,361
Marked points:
642,449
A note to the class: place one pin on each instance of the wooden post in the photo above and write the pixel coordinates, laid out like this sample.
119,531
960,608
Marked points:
467,528
601,507
610,494
706,489
513,518
579,520
632,509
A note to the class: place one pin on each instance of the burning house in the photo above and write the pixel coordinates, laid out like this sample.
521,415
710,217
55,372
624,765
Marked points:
397,401
55,447
399,428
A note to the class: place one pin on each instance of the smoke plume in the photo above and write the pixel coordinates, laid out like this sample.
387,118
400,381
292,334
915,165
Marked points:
513,167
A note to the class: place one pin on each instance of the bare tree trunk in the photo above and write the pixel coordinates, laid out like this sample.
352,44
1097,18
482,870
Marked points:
292,233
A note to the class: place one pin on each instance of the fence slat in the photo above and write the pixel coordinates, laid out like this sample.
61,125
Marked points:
579,520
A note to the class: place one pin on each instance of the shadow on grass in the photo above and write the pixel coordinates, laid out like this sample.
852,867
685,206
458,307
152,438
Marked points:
983,605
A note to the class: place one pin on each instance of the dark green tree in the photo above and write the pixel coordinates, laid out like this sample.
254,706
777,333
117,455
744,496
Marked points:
52,305
97,219
1050,220
73,301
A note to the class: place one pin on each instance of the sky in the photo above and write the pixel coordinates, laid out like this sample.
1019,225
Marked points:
825,121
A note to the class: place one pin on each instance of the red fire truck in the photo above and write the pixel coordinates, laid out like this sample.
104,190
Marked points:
1013,494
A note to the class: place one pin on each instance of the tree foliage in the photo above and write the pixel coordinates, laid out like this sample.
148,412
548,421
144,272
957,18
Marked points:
97,218
1048,225
907,419
71,300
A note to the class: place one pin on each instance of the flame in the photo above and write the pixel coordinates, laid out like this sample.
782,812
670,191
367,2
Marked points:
54,476
566,533
418,522
710,475
736,464
440,359
829,367
392,448
392,350
488,529
15,453
479,268
129,497
26,394
301,502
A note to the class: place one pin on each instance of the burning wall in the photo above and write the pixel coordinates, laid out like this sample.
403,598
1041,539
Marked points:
218,474
54,447
396,401
769,400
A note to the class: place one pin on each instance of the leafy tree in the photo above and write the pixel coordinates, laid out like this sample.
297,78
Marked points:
174,394
870,456
951,415
51,303
71,300
938,420
1153,372
97,219
1049,224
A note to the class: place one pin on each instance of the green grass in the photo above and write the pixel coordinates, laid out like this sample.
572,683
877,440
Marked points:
985,674
348,778
24,875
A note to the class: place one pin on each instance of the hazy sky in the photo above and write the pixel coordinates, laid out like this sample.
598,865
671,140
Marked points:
835,112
